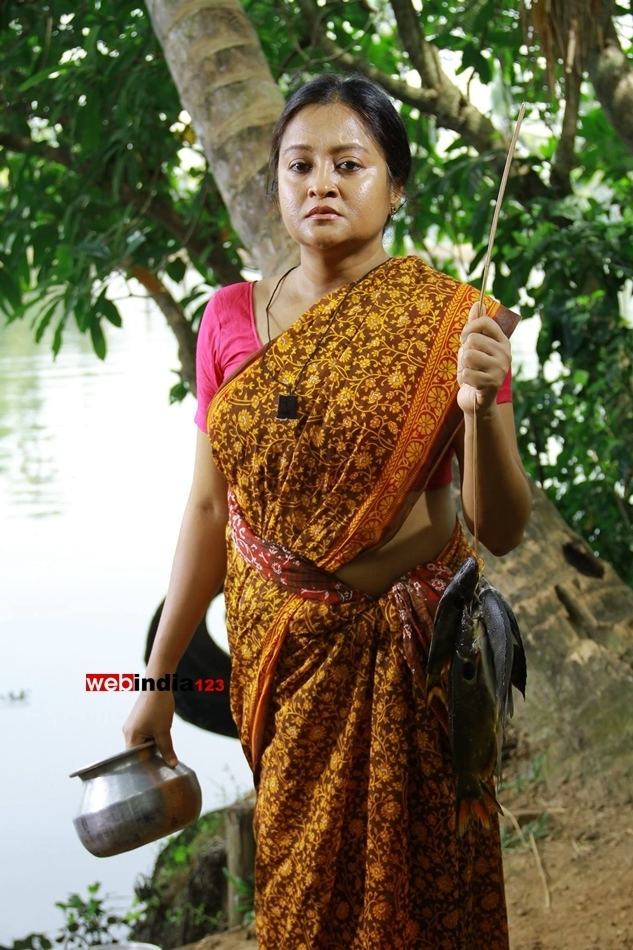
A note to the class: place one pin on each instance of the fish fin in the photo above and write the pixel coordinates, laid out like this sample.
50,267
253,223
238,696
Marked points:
436,692
490,799
445,629
499,634
518,676
461,587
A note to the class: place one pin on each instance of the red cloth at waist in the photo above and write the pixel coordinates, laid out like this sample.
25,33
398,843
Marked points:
284,567
415,595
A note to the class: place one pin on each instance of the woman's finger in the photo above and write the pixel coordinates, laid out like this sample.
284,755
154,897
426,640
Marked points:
484,325
475,312
166,749
485,344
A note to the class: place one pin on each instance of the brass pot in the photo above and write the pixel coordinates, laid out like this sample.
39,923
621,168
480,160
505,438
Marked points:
132,798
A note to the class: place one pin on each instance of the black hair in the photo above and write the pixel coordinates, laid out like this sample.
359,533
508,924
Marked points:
372,105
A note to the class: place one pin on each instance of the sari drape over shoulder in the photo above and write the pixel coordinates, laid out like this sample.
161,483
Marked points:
355,810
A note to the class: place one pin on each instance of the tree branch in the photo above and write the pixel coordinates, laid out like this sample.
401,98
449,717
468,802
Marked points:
423,55
421,99
452,108
564,159
175,317
446,102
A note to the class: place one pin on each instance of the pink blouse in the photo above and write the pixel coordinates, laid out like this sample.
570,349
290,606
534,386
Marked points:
228,335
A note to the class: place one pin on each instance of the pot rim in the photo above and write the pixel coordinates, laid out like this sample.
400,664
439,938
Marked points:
113,758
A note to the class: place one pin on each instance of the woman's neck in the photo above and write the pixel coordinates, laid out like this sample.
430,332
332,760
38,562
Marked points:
319,274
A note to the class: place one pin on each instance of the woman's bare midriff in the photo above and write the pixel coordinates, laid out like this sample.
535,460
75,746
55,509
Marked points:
422,534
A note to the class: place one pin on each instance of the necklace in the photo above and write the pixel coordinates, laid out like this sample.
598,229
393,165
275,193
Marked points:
288,402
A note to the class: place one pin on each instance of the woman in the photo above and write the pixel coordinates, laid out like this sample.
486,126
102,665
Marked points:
331,399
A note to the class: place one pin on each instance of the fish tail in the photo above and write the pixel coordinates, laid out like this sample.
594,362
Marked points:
470,809
480,807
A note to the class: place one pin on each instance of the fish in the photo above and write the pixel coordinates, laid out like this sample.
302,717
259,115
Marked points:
473,721
477,650
458,593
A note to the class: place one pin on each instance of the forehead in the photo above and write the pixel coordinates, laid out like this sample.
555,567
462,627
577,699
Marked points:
327,128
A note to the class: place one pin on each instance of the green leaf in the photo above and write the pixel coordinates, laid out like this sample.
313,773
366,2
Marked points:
10,294
66,261
89,123
580,377
44,74
57,336
178,392
98,339
108,310
44,238
176,269
46,318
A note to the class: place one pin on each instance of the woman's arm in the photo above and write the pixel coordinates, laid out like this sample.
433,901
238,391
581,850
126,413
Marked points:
198,570
504,498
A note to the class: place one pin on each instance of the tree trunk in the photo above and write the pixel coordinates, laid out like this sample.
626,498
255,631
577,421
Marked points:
612,77
576,618
575,613
226,86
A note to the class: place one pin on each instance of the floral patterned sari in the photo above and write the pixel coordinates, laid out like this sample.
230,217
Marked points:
355,813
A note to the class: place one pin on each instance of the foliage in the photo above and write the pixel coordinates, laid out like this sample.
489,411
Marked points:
183,903
92,167
87,923
126,187
245,896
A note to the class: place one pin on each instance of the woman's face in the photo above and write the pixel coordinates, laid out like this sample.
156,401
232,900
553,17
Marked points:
327,158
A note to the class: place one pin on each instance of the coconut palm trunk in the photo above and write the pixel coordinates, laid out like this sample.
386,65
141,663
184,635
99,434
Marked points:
226,86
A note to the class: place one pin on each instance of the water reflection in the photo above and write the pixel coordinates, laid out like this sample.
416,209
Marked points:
35,393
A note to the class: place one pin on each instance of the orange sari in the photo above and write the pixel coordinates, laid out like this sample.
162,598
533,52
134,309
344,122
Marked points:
356,843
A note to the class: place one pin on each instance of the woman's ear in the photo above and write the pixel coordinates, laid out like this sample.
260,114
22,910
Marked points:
397,199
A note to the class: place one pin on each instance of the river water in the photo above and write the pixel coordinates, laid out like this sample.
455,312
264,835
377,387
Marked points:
95,468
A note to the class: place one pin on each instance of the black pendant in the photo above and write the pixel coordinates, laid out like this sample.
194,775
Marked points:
287,406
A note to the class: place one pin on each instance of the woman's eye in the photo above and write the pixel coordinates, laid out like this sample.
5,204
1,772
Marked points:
348,165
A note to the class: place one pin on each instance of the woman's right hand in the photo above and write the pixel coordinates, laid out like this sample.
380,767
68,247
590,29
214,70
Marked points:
151,718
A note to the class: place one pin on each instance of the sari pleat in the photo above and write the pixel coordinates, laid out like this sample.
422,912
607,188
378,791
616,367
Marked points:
355,814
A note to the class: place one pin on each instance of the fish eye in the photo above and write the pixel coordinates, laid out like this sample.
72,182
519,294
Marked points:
468,671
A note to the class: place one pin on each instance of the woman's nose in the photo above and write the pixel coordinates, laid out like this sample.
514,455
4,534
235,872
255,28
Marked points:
321,182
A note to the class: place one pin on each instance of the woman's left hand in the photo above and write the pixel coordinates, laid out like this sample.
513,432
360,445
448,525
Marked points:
483,361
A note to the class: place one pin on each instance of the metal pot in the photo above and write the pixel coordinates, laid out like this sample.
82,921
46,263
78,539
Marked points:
132,798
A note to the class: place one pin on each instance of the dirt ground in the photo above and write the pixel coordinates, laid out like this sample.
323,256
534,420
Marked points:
578,894
569,882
